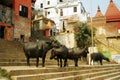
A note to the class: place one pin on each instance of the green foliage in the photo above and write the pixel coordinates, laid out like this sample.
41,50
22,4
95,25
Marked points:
83,35
4,74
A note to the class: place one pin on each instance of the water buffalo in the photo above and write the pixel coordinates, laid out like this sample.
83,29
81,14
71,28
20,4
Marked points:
37,49
75,54
60,53
98,57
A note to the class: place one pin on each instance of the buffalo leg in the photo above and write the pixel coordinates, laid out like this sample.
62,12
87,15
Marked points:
60,62
65,62
43,61
101,62
76,62
37,61
28,61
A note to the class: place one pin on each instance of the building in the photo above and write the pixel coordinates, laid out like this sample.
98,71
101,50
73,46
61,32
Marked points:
112,20
108,27
98,22
6,27
108,23
61,11
42,27
16,20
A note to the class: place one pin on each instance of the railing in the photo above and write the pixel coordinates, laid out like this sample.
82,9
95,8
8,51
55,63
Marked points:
111,45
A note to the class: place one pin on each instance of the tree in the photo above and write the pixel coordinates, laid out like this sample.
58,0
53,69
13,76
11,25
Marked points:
83,35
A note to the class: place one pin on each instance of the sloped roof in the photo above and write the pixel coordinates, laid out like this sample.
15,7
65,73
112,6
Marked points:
99,13
112,12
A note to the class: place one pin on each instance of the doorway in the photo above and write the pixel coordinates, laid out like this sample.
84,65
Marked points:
2,31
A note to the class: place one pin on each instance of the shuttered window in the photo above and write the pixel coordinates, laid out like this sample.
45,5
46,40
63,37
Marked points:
23,11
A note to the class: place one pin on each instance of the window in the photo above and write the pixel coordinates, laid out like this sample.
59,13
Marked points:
2,15
23,11
61,0
41,5
61,12
48,12
75,9
48,3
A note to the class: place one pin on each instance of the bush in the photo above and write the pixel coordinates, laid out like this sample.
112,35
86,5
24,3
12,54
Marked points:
4,74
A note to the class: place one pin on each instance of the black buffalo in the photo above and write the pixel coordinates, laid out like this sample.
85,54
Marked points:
76,53
60,53
37,49
73,54
98,57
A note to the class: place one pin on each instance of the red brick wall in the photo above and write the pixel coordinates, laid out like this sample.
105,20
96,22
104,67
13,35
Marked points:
22,25
26,3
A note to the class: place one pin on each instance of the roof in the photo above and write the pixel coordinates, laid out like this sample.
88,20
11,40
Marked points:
64,5
112,12
99,13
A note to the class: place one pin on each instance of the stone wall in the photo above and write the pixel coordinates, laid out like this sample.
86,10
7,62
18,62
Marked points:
67,39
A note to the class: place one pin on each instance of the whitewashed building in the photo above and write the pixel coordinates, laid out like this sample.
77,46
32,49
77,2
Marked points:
61,10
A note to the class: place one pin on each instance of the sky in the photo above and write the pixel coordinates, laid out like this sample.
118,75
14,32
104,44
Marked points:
103,4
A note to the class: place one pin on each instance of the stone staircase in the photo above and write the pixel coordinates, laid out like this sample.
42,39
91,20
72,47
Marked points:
11,49
83,72
11,53
114,44
13,60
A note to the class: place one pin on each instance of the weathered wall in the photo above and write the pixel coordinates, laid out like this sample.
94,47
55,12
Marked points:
67,39
5,14
6,22
22,25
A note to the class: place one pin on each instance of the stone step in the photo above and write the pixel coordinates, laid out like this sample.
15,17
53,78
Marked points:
105,76
25,64
117,77
22,62
52,70
86,75
67,73
3,78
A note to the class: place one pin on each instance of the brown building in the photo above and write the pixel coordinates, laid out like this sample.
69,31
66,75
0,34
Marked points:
99,22
6,27
15,19
42,27
112,20
108,26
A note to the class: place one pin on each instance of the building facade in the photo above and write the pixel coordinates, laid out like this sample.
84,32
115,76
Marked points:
61,10
108,27
16,22
22,19
109,23
42,27
112,20
6,27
